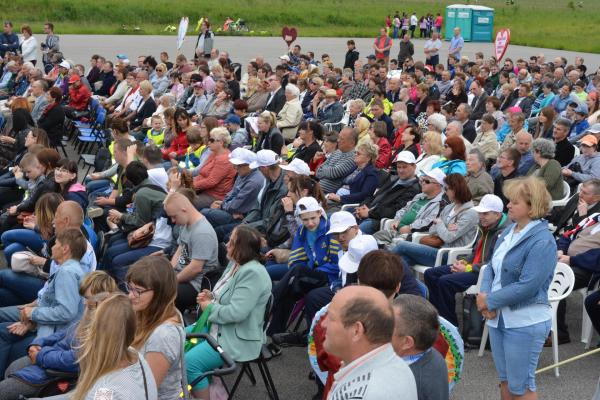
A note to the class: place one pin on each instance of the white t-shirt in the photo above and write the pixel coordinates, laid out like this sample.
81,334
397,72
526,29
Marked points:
158,176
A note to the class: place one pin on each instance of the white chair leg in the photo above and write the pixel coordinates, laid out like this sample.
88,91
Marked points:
586,323
555,343
484,338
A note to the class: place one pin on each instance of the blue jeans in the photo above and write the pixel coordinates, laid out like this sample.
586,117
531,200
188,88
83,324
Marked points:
516,352
123,260
12,346
19,240
17,288
97,188
276,271
369,226
443,285
201,358
217,217
416,253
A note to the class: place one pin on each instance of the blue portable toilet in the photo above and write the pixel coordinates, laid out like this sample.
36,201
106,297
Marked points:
482,29
458,15
476,23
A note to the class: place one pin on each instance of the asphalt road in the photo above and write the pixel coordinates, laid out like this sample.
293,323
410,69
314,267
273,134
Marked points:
79,48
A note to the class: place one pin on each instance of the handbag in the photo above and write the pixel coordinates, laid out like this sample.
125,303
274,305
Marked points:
432,241
20,263
143,239
202,325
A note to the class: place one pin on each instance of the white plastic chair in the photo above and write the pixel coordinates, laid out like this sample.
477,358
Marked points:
560,288
452,252
587,329
566,196
474,289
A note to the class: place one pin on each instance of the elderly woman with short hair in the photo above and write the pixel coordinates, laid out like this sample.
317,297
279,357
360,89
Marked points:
400,122
291,114
479,181
146,107
354,112
362,182
160,82
546,167
432,151
215,178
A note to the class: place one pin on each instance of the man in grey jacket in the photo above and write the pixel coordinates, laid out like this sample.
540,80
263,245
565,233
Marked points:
419,213
416,328
38,90
242,197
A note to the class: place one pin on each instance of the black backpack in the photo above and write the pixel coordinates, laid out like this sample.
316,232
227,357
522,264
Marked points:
472,321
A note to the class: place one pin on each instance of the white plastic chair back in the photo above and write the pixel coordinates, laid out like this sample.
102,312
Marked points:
566,196
562,283
477,287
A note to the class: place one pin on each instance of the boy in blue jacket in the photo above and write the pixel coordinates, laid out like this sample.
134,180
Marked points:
313,262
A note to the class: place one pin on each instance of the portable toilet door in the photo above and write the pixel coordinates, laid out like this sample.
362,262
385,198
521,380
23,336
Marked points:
483,24
459,15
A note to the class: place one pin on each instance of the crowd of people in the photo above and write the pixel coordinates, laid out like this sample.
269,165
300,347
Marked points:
236,196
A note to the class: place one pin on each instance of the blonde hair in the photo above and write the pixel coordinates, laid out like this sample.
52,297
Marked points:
268,116
105,345
435,142
97,282
371,149
221,133
362,125
255,83
531,190
146,85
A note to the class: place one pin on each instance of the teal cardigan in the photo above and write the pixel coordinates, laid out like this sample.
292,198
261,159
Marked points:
240,311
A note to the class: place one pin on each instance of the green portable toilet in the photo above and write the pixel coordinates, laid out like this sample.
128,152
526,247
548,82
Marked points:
482,24
459,15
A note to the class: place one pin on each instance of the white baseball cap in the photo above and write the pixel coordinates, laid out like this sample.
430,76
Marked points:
265,158
436,174
298,166
64,64
357,248
405,157
341,221
489,202
306,205
285,57
240,156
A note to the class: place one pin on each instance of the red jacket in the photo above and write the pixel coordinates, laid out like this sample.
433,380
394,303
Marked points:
216,176
179,145
385,152
79,98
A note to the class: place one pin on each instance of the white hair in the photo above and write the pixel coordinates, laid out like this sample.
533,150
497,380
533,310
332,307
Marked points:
437,122
292,89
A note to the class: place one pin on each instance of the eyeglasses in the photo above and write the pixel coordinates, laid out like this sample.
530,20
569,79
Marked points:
212,140
160,70
135,291
426,181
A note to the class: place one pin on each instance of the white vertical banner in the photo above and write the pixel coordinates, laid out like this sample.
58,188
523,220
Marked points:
183,26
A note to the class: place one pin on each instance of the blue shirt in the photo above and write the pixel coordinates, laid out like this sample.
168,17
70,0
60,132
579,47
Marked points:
457,42
521,317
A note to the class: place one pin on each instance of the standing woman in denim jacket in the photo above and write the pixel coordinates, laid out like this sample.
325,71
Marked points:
514,291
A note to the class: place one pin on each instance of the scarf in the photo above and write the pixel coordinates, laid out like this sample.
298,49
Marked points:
49,107
589,221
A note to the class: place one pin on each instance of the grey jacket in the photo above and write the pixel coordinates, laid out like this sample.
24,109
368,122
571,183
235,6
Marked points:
466,220
242,197
590,167
426,214
273,193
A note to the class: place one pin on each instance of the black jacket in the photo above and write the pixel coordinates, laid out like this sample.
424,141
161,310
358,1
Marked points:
351,57
47,185
560,216
305,153
469,131
478,106
277,102
390,198
272,140
53,123
144,112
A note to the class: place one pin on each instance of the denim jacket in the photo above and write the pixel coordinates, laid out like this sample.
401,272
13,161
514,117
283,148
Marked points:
60,303
527,270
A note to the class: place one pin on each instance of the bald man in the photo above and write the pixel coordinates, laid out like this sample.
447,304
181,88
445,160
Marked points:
19,288
197,254
360,324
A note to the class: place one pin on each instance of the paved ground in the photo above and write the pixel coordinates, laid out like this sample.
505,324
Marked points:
290,371
80,47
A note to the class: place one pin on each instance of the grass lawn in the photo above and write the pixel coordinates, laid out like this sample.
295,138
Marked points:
560,24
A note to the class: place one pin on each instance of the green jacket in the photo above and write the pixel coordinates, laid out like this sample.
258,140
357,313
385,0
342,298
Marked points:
260,216
240,311
148,204
551,174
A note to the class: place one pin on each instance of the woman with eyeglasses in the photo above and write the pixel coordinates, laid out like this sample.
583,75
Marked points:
160,81
235,307
159,337
455,227
65,175
109,365
215,178
58,352
453,157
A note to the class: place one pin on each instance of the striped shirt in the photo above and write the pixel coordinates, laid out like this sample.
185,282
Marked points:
334,170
